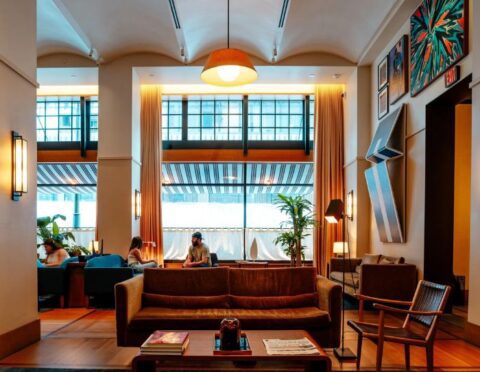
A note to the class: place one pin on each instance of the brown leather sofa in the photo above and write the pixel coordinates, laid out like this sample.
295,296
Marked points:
376,276
277,298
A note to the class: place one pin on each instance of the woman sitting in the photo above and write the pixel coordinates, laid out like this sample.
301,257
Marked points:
56,254
135,259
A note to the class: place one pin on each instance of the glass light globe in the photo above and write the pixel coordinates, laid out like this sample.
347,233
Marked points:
229,72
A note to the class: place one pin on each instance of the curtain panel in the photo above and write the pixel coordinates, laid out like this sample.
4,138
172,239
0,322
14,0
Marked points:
329,174
150,183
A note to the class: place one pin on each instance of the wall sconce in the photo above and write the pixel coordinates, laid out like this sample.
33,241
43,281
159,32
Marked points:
138,204
349,207
19,166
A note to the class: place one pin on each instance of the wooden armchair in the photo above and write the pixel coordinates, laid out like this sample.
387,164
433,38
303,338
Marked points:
427,305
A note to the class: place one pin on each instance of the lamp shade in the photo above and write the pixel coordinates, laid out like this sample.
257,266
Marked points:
338,247
228,67
334,211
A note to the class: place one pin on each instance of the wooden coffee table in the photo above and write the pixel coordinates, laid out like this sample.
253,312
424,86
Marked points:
199,356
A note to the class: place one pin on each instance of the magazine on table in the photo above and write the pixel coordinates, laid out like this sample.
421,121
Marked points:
276,346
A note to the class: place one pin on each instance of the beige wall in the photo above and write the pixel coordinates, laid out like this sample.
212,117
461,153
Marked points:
413,249
357,136
18,273
461,218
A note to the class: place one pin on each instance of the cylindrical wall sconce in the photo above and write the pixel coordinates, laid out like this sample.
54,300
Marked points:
349,211
138,204
19,166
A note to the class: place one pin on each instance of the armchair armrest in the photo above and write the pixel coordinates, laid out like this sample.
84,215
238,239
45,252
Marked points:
336,264
330,300
405,311
100,281
128,301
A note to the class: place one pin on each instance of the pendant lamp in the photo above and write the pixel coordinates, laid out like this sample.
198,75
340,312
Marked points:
228,67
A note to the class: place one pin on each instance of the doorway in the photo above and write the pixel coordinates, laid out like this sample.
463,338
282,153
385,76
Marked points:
447,191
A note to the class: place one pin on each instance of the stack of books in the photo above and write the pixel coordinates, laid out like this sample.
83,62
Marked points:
165,343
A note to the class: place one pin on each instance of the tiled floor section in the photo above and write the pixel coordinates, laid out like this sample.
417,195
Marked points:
86,339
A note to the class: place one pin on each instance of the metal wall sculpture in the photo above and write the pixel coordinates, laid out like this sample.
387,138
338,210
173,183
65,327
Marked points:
385,179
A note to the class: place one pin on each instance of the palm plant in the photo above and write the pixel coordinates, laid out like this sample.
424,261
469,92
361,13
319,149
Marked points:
301,217
47,228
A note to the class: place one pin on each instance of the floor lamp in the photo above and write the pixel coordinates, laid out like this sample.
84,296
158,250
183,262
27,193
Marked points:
335,213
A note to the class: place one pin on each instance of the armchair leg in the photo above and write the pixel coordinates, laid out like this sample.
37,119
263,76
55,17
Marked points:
360,310
429,350
407,357
359,350
62,301
381,323
379,356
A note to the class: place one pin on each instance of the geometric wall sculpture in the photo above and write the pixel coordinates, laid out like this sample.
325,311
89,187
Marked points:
386,178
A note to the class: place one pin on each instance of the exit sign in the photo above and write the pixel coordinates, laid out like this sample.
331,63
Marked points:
452,75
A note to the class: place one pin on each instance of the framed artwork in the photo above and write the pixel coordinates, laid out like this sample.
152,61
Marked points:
438,35
398,70
382,103
382,71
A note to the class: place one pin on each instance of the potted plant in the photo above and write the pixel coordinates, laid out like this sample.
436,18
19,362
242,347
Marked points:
301,217
47,228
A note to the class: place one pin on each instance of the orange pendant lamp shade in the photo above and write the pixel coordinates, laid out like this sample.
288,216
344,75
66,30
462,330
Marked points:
229,67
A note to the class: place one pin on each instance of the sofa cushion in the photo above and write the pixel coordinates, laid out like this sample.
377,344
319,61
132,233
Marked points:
112,260
274,302
185,302
371,259
391,260
272,282
351,279
183,282
152,318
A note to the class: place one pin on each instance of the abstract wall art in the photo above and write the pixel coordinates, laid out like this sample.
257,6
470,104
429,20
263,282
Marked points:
438,36
382,103
398,70
386,177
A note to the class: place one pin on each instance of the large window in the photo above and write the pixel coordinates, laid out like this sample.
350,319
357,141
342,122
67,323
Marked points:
215,118
275,118
58,119
66,121
172,118
235,121
231,204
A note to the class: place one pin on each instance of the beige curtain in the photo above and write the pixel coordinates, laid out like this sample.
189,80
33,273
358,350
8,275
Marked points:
328,178
151,142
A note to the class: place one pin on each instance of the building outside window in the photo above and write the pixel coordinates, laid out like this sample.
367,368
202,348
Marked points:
229,208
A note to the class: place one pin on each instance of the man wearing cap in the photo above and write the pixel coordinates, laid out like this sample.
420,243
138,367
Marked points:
198,253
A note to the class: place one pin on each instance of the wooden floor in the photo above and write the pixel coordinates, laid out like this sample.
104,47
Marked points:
84,338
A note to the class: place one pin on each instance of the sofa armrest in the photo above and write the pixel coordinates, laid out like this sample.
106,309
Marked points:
330,300
128,301
389,281
336,264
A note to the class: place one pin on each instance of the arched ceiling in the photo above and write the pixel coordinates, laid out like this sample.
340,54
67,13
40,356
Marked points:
117,27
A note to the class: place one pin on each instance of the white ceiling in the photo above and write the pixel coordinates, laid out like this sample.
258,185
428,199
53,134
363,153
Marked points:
118,27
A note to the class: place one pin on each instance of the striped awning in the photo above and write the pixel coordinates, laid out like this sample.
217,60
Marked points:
188,178
67,178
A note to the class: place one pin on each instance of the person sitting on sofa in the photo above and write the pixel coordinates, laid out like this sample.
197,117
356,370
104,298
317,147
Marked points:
135,259
198,253
56,254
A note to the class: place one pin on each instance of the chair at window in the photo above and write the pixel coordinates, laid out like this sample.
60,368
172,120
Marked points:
214,258
427,305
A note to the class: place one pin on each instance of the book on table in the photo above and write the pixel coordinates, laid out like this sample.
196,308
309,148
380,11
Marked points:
166,343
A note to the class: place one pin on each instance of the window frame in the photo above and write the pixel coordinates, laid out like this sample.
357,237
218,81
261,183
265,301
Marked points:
84,144
304,143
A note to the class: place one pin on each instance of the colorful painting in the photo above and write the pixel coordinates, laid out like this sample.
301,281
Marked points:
398,70
438,40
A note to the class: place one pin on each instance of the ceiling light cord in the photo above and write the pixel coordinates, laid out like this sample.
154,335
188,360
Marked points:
228,24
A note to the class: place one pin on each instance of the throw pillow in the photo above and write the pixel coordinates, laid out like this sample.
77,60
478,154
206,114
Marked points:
370,259
386,261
